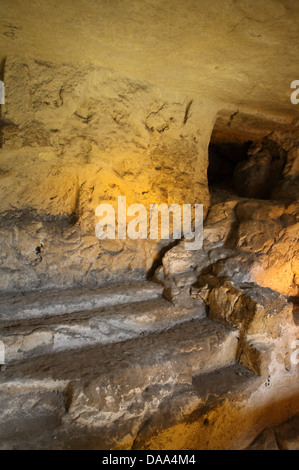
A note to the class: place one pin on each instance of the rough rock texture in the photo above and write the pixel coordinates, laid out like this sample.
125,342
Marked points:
257,176
124,98
247,241
87,119
283,437
141,373
241,54
75,137
288,188
270,230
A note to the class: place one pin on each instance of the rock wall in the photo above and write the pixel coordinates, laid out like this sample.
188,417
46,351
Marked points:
245,240
73,137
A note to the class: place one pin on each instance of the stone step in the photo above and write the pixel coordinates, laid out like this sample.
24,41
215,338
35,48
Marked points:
28,338
108,390
201,344
195,406
43,304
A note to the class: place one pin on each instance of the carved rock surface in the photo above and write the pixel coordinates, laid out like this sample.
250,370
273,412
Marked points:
77,136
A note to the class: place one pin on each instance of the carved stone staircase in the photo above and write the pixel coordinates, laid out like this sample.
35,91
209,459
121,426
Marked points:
112,368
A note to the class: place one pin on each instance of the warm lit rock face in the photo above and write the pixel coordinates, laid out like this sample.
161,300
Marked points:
75,137
126,105
241,54
143,344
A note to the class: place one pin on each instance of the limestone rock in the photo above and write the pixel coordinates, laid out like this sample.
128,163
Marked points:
83,136
265,441
218,225
282,437
270,229
288,188
258,310
168,54
287,434
133,98
263,317
251,178
256,176
99,394
178,260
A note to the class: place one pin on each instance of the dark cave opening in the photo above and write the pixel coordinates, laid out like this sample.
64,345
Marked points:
248,169
223,159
